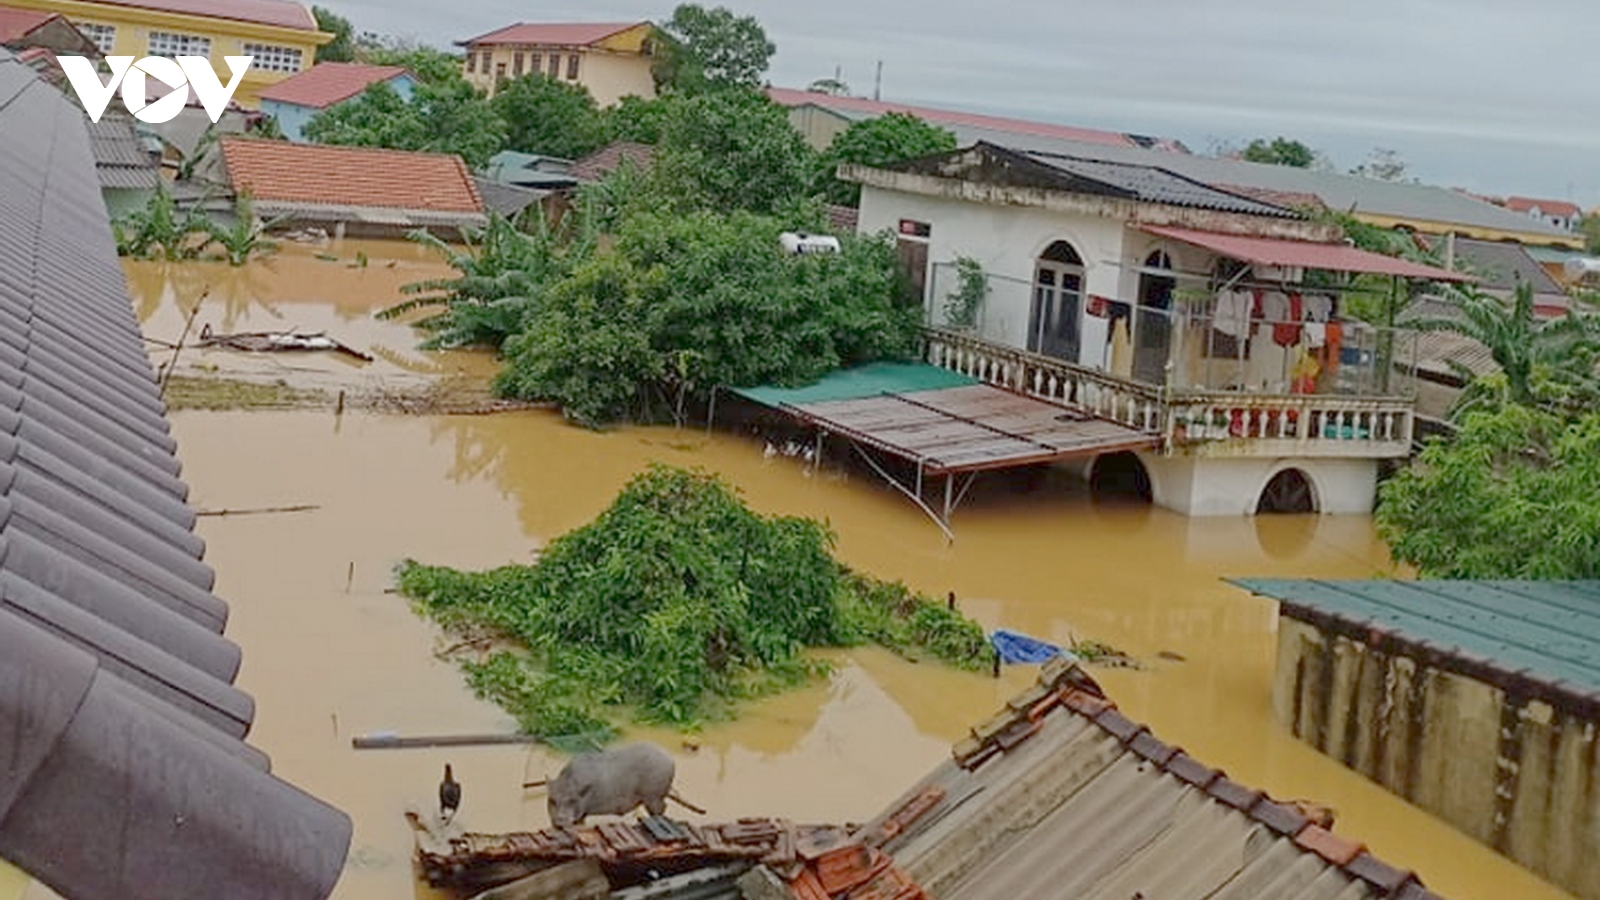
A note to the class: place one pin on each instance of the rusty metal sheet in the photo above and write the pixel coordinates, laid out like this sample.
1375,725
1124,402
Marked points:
971,428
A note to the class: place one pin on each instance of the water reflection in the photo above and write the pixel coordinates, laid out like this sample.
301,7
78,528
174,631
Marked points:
328,654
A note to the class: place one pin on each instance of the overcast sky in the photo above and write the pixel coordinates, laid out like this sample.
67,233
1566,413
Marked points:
1493,96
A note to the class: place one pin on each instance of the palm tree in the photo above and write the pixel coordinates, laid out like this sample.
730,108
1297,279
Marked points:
1542,361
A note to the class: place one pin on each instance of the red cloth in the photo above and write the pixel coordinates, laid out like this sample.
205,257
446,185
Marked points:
1287,334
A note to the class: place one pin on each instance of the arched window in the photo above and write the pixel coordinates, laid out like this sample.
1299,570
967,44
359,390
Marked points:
1053,322
1152,332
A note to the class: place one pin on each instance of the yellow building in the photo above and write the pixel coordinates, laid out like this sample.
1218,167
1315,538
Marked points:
281,35
612,60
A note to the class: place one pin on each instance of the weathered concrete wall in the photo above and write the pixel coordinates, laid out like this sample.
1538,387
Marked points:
1517,774
1230,486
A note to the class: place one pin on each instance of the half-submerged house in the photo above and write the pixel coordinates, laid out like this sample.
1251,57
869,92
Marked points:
1211,319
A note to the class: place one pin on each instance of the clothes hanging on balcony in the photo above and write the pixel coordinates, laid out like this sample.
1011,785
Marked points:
1233,313
1283,312
1318,309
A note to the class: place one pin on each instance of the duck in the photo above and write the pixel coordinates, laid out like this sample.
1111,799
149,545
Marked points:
449,795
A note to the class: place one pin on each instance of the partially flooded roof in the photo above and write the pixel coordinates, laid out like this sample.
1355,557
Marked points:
123,772
1060,795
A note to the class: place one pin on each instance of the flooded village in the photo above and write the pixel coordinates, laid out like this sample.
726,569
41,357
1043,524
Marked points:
1148,425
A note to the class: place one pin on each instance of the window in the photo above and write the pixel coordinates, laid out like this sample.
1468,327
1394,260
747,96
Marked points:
572,67
555,65
472,63
535,62
516,64
103,36
167,43
272,58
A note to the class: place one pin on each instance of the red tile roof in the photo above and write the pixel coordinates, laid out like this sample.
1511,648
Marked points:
1548,207
1307,255
791,97
350,176
282,13
17,23
608,159
569,34
325,84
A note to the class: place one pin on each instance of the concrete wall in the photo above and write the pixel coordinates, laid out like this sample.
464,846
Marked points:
608,76
1231,486
1517,774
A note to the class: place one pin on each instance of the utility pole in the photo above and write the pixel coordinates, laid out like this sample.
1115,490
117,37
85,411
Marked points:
877,82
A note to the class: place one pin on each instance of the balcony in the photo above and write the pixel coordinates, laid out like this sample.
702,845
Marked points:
1193,421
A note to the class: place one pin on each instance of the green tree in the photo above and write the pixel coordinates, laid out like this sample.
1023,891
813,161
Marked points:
634,118
549,117
1589,227
441,117
430,65
883,141
1543,362
731,150
1516,494
1280,151
682,302
342,48
709,49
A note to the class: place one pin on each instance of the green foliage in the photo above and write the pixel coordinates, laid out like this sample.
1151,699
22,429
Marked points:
1516,494
548,117
681,303
710,49
1382,164
342,48
634,118
246,237
882,141
267,128
1543,362
961,306
502,273
444,116
1280,151
431,66
675,603
161,230
1589,227
731,150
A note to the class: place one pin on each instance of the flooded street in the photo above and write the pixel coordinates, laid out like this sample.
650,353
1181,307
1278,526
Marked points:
330,654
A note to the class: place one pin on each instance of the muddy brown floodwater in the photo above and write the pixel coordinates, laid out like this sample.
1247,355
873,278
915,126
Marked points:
329,654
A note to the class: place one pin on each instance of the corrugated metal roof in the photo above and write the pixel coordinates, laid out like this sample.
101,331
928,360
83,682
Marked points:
1304,254
1411,202
1546,633
123,773
1502,265
507,199
1060,795
1153,184
989,126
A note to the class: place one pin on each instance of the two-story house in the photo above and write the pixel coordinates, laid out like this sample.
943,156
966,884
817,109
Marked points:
612,60
1164,304
280,35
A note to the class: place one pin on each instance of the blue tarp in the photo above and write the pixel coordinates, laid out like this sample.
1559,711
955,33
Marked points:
1019,648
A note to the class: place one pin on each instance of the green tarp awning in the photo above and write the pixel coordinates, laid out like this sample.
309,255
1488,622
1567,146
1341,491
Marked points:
871,380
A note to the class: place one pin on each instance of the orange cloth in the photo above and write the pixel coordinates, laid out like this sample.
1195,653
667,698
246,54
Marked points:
1330,349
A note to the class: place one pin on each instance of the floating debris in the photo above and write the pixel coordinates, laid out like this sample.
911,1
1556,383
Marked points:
270,341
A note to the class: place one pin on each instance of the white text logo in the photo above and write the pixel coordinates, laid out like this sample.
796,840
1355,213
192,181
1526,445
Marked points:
180,75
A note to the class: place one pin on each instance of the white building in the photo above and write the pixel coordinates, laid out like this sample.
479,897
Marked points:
1164,303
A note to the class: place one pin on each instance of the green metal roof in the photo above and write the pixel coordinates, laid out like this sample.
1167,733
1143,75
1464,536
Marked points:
1551,629
871,380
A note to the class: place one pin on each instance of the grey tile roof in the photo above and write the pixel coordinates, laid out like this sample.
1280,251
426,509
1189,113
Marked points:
123,773
120,158
507,199
1060,795
1501,265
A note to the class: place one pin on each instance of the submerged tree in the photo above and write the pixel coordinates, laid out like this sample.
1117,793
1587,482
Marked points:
444,117
548,117
1516,494
342,48
1280,151
731,150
